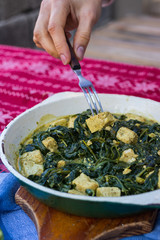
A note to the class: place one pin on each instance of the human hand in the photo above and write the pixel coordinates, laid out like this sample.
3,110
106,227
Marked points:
58,17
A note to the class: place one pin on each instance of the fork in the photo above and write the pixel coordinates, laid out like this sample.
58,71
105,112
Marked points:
86,86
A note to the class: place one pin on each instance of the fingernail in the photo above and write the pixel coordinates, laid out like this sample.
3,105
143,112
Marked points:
80,52
63,59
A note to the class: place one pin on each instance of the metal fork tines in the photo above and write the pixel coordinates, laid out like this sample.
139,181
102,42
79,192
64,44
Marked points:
89,92
86,86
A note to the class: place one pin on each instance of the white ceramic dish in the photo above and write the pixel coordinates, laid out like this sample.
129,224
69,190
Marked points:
69,103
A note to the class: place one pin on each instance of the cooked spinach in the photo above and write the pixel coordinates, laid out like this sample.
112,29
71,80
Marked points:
99,156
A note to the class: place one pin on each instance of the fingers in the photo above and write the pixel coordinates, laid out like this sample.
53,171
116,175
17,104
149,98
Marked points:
41,36
55,16
56,26
81,39
49,29
87,19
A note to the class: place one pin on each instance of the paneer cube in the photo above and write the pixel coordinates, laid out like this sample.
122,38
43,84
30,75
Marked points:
71,122
83,182
128,156
134,117
97,122
34,156
127,136
50,143
108,192
32,163
31,168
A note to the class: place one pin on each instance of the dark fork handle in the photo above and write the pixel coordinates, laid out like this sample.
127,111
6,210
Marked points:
74,63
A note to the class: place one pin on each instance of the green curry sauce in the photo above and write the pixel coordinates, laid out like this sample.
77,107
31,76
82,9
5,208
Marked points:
106,159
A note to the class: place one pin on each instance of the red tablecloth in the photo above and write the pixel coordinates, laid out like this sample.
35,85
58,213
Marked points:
29,76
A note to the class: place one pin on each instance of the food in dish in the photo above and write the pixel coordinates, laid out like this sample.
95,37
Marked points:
106,155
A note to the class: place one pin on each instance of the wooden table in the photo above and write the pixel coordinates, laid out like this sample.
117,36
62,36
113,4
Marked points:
134,39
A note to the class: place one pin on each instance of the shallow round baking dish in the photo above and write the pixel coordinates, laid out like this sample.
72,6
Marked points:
66,103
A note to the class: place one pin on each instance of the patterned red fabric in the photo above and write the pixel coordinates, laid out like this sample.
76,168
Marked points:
29,76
